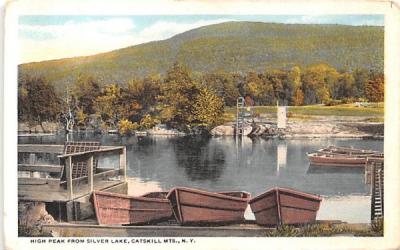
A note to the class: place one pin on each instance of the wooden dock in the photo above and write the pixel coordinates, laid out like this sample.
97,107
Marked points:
69,184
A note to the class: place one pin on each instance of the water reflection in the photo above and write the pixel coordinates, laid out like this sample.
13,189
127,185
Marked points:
281,155
198,158
224,163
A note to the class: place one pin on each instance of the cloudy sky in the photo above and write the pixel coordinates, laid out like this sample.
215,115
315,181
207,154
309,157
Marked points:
52,37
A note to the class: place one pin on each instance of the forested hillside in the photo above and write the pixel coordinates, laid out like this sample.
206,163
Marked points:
231,47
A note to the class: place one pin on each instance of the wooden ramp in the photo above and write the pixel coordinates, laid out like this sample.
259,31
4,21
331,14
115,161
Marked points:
377,187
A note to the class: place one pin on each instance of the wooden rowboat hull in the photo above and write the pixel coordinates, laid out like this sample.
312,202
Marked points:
348,151
279,206
193,206
335,160
118,209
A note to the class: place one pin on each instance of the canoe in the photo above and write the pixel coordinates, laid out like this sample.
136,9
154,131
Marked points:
194,206
118,209
322,159
279,206
348,151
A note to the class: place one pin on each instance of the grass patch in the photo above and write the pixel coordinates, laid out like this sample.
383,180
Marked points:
323,230
339,110
228,117
30,231
257,109
304,112
293,116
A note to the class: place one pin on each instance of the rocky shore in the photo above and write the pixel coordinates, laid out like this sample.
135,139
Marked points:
332,127
323,126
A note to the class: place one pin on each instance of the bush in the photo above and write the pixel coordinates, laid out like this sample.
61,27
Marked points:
333,102
127,127
148,122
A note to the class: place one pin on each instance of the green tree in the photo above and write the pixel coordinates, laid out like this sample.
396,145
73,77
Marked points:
177,96
224,85
187,105
86,89
208,109
319,81
283,90
148,122
361,77
108,105
346,86
37,100
294,94
140,97
298,97
253,86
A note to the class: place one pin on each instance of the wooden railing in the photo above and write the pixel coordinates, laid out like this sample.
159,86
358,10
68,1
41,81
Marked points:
55,173
40,148
89,156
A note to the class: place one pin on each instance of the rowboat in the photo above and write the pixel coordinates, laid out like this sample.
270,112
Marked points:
112,208
372,155
323,159
348,151
279,206
194,206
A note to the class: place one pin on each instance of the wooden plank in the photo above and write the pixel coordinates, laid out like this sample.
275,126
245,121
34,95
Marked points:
122,163
90,173
46,193
105,174
41,188
40,148
40,168
69,177
98,152
37,181
32,181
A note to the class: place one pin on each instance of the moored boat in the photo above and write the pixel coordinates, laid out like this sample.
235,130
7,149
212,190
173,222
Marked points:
118,209
279,206
348,151
323,159
194,206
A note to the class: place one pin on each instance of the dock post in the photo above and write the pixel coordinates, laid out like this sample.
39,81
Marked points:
68,169
32,160
122,163
90,173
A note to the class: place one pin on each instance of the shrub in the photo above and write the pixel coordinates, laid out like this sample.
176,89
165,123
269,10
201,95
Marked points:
148,122
333,102
127,127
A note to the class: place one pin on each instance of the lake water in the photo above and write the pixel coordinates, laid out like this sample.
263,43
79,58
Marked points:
252,165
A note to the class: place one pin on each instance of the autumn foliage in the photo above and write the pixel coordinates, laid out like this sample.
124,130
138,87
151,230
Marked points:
188,100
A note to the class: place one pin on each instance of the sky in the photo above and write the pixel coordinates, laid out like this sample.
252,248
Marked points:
52,37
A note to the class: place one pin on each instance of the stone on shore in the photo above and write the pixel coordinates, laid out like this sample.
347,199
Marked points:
161,129
31,215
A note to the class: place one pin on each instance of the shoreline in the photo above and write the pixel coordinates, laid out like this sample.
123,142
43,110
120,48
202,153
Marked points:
323,127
